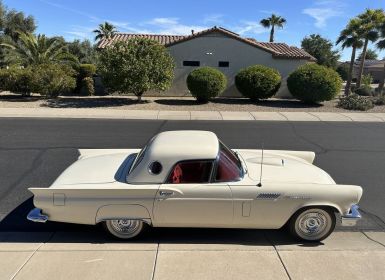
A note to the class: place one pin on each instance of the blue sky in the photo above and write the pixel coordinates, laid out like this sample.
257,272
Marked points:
75,19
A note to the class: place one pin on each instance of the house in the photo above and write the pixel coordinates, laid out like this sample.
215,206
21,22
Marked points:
371,66
225,50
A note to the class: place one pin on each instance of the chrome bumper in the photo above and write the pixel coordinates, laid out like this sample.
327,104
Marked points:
351,219
35,215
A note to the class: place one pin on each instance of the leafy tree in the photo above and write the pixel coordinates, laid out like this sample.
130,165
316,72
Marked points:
350,38
37,49
272,22
370,54
136,66
321,49
15,21
83,50
105,31
368,31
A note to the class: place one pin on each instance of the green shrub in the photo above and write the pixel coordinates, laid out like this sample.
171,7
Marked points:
16,80
258,82
355,102
343,71
88,88
51,80
379,100
367,80
313,83
205,83
364,90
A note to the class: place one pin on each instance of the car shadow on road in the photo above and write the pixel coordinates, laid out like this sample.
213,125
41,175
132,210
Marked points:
16,228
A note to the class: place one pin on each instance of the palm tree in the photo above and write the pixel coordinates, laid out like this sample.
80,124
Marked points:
381,46
370,22
105,31
350,38
272,22
32,49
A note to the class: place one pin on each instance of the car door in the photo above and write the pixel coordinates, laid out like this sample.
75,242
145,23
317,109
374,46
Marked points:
261,207
187,199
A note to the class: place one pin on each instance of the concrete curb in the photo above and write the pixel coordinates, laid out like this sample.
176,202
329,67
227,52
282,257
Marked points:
190,115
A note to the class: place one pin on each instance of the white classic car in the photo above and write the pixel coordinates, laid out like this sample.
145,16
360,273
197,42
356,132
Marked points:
191,179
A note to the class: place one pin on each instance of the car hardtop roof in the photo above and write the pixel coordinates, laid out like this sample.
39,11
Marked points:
184,145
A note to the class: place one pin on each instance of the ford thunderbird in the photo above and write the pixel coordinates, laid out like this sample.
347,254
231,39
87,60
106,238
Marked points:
191,179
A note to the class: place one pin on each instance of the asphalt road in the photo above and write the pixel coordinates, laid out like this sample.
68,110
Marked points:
33,152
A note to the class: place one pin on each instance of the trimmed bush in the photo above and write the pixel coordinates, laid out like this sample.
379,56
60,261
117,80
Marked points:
364,90
313,83
16,80
205,83
86,70
258,82
88,86
355,102
51,80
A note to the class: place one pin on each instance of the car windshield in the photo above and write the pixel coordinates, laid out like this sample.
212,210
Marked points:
229,165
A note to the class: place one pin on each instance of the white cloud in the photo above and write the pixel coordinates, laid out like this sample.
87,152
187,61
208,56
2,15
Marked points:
79,32
213,19
323,10
172,26
249,27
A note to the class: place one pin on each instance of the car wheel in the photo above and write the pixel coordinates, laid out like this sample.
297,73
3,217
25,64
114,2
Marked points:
312,224
124,229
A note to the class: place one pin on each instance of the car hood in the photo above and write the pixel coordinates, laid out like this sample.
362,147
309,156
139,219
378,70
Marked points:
92,170
278,167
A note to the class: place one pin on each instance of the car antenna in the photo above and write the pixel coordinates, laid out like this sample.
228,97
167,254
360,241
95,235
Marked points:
260,174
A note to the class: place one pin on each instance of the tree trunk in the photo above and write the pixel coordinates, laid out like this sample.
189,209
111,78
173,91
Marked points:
362,62
272,34
139,96
382,82
350,74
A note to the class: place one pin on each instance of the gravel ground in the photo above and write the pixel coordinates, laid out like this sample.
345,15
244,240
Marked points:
170,104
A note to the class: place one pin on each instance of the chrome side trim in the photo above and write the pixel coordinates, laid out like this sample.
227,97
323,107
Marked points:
352,217
35,215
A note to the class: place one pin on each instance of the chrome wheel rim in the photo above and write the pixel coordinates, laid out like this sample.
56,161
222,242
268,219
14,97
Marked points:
312,223
125,226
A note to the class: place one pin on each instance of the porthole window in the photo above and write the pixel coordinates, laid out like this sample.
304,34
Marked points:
155,168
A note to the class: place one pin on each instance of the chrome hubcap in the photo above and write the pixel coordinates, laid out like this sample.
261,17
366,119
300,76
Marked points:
312,223
125,226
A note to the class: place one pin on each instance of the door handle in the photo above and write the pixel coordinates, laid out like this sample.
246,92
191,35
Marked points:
163,193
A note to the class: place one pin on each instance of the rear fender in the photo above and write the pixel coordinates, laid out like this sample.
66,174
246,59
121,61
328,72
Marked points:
122,211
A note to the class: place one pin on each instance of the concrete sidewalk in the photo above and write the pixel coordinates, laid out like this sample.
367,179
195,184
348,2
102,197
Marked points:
230,254
190,115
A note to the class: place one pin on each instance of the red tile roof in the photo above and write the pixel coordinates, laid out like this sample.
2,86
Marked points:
162,39
278,50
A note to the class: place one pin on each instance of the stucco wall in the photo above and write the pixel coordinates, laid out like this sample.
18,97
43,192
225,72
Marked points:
212,48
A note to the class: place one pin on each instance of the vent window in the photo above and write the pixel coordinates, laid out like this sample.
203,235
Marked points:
191,63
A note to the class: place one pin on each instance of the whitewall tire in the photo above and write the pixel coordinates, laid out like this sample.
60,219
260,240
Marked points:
312,224
124,228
